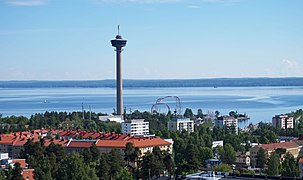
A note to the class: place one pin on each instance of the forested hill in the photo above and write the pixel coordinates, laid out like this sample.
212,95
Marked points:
218,82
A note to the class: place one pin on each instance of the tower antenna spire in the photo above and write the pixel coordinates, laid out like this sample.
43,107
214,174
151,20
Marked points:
118,29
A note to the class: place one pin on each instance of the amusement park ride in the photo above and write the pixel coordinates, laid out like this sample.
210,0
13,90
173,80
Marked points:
156,108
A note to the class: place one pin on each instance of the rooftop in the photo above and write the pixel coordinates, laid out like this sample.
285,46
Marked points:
279,145
66,139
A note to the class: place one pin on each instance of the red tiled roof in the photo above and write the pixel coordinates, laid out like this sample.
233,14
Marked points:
137,142
279,145
21,161
85,144
150,142
62,142
28,174
103,139
7,138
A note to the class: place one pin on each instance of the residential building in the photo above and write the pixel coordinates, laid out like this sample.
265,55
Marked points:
243,158
227,121
217,143
144,144
6,163
135,127
179,124
112,118
283,121
290,147
105,142
77,146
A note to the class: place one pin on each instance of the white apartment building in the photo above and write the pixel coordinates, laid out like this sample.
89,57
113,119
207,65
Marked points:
217,143
226,121
135,127
283,121
179,124
111,118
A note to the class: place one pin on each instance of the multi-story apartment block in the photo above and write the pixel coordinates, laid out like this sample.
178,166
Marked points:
179,124
135,127
283,121
227,121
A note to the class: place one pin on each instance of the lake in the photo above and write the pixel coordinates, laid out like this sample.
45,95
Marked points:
260,103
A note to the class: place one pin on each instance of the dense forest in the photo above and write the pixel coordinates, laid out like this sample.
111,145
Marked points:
217,82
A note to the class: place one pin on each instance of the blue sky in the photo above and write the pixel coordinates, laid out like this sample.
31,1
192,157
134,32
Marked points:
167,39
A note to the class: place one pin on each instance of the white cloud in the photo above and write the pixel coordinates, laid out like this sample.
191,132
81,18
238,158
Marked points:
221,1
139,1
168,1
193,7
26,2
292,68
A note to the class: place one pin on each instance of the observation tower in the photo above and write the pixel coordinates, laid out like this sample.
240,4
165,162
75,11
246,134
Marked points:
119,43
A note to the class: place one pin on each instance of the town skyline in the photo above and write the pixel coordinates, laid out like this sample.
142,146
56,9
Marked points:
167,39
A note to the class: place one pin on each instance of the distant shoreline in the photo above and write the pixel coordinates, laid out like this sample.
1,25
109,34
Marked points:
215,82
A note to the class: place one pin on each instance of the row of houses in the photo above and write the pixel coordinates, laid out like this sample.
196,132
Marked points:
13,143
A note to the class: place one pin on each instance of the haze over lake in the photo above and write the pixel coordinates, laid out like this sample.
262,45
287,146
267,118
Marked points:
260,103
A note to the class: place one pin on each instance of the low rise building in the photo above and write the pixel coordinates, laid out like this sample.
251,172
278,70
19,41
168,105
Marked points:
144,144
283,121
180,124
7,163
217,143
291,147
135,127
243,158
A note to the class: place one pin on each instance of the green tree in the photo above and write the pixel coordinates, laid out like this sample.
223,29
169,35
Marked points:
290,167
124,174
87,155
43,169
73,168
158,165
261,159
192,158
103,167
95,152
2,175
217,113
273,164
188,113
205,153
229,154
16,173
169,163
129,152
115,162
222,168
200,113
57,150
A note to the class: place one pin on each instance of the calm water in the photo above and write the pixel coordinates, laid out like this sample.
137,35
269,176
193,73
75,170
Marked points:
260,103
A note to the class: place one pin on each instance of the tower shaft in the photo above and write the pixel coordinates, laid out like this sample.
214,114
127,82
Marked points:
119,81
